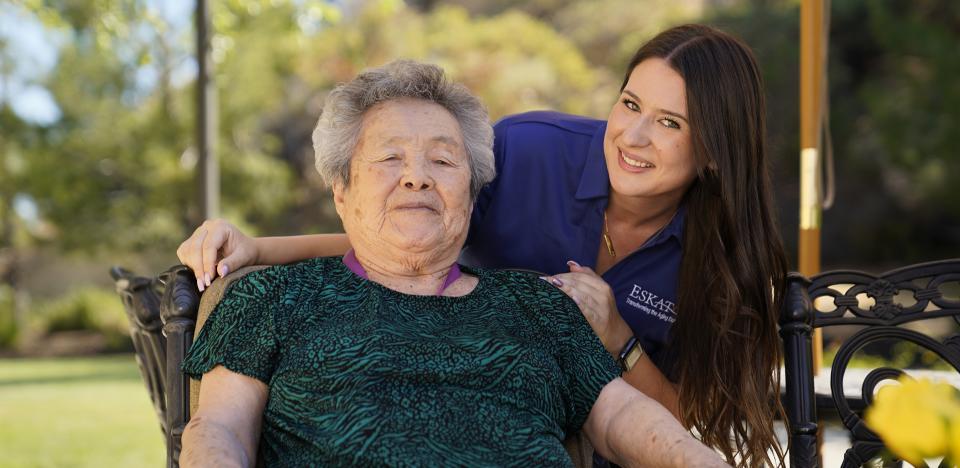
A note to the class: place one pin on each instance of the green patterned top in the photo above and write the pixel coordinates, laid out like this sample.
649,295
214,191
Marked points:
360,374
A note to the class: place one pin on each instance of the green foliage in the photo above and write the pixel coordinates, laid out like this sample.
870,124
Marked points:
913,101
121,150
609,32
117,173
512,61
8,324
271,91
84,309
894,108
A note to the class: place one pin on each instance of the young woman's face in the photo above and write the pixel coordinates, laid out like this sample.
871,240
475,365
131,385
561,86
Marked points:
647,145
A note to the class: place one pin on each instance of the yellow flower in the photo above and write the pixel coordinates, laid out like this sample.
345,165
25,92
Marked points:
917,419
955,439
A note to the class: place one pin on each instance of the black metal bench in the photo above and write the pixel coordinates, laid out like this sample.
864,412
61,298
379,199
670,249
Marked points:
837,298
163,313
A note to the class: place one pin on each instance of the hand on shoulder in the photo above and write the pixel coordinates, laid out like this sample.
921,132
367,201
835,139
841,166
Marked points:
595,299
217,247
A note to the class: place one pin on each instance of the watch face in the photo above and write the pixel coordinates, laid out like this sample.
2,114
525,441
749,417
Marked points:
632,357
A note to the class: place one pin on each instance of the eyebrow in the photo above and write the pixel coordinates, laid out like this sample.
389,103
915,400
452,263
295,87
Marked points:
445,139
437,139
668,112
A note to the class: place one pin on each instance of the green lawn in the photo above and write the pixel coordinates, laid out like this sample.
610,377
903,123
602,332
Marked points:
77,412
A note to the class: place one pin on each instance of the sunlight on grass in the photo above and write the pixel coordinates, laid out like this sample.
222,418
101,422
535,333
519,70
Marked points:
77,412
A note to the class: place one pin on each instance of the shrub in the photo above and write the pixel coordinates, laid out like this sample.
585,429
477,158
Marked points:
85,309
8,322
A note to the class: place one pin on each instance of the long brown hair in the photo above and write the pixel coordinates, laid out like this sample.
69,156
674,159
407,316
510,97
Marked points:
733,268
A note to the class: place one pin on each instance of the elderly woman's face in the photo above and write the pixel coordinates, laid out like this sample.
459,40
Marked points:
409,179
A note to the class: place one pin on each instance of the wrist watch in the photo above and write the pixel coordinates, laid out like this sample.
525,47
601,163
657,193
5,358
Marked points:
631,354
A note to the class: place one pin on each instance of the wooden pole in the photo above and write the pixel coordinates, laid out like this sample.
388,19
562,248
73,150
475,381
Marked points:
811,101
209,175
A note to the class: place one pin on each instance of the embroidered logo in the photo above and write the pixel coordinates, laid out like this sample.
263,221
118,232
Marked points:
652,304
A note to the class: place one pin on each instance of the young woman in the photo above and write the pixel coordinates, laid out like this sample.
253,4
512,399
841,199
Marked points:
658,222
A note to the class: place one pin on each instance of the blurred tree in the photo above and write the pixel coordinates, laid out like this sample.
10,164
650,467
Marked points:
912,104
512,61
605,32
16,140
115,172
610,31
10,158
895,107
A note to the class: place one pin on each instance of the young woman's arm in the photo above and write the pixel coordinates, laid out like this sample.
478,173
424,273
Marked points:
218,247
646,377
286,249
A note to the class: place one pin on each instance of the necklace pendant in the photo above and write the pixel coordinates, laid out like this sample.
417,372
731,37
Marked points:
609,243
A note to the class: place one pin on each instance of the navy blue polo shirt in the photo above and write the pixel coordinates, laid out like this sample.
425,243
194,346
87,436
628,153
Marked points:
546,207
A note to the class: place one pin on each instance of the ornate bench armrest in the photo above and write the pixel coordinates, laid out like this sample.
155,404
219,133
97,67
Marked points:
141,302
178,312
796,321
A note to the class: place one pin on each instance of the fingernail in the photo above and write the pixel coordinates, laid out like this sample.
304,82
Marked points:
573,263
206,278
224,270
199,285
556,282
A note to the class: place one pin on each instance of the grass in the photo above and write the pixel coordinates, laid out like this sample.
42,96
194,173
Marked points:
77,412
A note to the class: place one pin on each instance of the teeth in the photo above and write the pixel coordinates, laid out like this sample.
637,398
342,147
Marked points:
635,163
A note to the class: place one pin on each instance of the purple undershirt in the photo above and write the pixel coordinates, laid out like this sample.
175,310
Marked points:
350,260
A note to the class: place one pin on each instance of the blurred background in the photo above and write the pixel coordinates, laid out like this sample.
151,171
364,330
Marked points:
98,156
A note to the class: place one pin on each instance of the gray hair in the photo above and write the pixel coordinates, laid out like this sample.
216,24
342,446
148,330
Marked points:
338,130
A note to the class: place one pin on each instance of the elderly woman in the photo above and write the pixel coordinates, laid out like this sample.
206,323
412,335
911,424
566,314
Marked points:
393,354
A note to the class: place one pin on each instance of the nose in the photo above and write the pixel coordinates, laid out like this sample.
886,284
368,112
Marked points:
416,177
637,133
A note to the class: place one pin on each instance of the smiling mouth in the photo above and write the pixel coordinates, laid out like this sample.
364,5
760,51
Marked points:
415,207
635,162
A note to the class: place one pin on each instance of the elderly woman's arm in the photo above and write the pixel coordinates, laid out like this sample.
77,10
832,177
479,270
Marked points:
226,428
630,429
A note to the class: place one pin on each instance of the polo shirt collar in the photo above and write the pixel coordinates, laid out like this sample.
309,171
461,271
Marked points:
675,226
594,181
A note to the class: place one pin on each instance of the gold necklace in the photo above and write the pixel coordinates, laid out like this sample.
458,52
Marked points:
606,237
609,242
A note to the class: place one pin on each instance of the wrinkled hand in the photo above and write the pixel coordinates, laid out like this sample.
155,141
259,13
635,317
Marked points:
216,247
595,299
